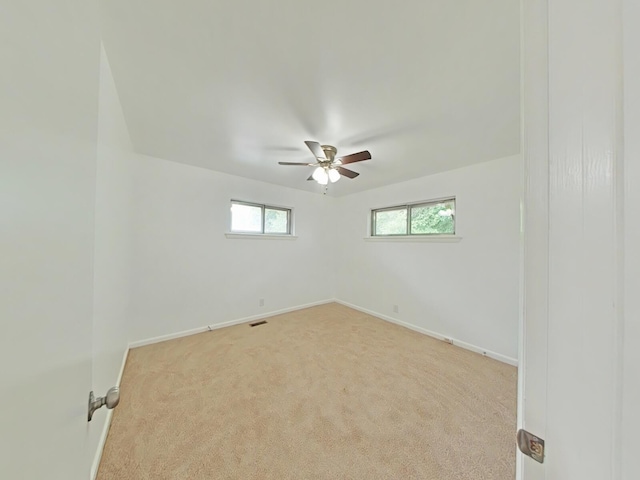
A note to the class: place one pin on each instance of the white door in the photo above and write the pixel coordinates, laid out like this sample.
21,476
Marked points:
49,54
572,143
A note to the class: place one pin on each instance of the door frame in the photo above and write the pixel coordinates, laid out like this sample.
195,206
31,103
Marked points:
535,227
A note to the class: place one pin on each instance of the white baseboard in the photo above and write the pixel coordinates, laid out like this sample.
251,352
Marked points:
124,363
107,424
207,328
459,343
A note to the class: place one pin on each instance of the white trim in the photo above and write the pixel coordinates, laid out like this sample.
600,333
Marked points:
107,423
420,202
208,328
534,277
461,344
629,442
414,238
124,362
261,236
262,204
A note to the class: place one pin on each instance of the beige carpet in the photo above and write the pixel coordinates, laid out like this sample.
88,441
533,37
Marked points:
322,393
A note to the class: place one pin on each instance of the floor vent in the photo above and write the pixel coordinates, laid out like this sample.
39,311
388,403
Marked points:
257,323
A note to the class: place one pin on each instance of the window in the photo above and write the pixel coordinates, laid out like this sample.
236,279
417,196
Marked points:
259,219
428,218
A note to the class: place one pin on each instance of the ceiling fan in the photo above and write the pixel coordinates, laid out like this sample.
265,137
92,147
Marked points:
328,167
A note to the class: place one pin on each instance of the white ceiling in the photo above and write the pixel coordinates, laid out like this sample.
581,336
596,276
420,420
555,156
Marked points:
238,85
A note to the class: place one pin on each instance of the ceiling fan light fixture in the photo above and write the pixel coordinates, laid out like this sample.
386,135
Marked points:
328,168
321,176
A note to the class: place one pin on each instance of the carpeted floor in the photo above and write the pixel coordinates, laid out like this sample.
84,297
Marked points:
322,393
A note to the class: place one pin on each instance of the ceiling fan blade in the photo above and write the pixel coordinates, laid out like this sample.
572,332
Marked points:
356,157
347,173
295,163
316,149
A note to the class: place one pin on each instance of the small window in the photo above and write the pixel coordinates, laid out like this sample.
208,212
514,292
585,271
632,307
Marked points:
391,222
259,219
427,218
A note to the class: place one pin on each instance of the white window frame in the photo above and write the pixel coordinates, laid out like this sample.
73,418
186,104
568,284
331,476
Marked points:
413,236
263,207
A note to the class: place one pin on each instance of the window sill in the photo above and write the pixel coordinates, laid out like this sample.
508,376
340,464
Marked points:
260,236
415,238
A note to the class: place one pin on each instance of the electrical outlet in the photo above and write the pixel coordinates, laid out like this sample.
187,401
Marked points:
395,309
261,302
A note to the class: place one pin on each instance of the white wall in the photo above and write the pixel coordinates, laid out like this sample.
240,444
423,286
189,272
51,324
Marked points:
49,56
467,291
187,274
113,250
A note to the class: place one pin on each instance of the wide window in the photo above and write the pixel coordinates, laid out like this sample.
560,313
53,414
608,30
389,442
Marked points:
426,218
255,218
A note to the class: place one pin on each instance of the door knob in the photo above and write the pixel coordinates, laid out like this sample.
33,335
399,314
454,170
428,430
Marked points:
110,400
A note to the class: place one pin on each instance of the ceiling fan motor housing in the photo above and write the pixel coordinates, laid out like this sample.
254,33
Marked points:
326,164
329,152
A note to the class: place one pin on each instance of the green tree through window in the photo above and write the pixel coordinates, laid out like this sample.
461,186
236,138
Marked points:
276,221
431,218
436,219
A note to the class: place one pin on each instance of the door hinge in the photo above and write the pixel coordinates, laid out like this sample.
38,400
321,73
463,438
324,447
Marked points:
531,445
